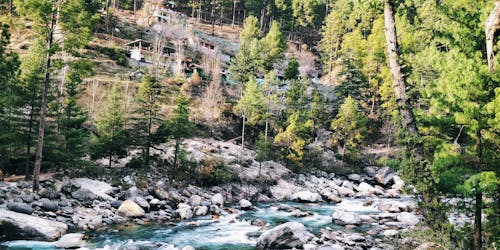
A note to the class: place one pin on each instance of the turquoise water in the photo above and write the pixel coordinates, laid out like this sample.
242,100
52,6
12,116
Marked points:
230,231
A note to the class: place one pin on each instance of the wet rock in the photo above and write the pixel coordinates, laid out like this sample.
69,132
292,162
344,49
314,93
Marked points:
17,226
73,240
299,214
285,236
258,222
285,207
245,204
342,217
306,196
130,209
368,202
116,204
217,200
20,207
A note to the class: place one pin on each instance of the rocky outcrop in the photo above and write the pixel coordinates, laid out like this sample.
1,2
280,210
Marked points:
17,226
130,209
285,236
99,188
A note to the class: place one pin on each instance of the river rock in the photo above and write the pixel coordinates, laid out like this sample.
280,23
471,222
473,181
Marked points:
285,236
384,175
200,210
217,200
184,211
20,207
342,217
99,188
343,191
188,248
285,207
306,196
85,196
283,190
245,204
398,183
354,177
17,226
73,240
408,219
130,209
49,205
194,200
141,202
365,187
48,193
299,214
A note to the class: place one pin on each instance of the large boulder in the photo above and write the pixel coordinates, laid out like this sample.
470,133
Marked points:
341,217
184,211
17,226
285,236
195,200
384,175
99,188
408,219
306,196
85,196
364,187
73,240
130,209
217,200
20,207
245,204
344,191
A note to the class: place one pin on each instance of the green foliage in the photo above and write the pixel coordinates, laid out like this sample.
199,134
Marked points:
349,127
251,105
273,45
295,137
112,139
292,71
213,171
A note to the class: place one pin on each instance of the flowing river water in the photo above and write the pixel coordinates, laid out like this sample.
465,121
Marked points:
230,231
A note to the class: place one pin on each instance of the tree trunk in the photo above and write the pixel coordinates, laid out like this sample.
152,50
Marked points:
135,6
176,153
243,133
234,12
479,196
395,68
43,109
107,15
491,26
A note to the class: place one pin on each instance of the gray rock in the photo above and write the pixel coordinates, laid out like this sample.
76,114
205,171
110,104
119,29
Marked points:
160,193
20,207
200,210
245,204
73,240
354,177
99,188
285,207
306,196
184,211
48,193
49,205
370,171
194,200
116,204
341,217
141,202
343,191
384,175
217,200
284,236
365,187
408,219
85,196
17,226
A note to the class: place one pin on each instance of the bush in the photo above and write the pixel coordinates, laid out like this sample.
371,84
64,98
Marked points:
213,171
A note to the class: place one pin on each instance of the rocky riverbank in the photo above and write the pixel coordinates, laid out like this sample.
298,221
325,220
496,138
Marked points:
82,204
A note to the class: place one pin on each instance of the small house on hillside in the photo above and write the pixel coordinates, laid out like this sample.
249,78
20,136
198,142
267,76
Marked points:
137,48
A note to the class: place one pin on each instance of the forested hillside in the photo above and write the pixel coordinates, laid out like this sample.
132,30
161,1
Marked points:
208,93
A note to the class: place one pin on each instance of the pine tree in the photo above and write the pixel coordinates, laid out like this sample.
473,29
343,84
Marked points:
273,46
111,139
149,100
251,107
180,125
247,61
349,127
294,138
